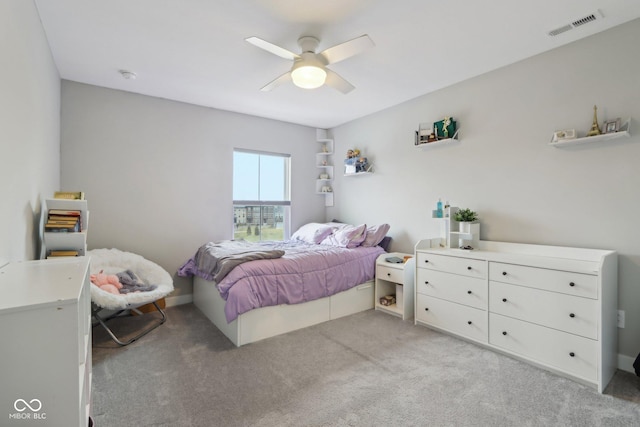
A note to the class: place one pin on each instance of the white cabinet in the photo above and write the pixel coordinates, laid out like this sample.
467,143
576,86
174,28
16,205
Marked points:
324,182
45,328
64,241
395,279
555,307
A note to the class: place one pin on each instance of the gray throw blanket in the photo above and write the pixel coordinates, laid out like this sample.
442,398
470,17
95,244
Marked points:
132,283
218,259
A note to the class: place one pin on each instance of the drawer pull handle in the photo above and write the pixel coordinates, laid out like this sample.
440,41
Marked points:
504,273
572,284
426,309
504,300
469,292
426,282
504,332
572,315
389,274
469,268
426,260
572,354
469,322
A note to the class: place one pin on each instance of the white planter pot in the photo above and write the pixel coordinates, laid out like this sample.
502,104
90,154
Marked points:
465,227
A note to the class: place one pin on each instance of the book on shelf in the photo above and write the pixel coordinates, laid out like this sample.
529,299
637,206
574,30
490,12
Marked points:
62,228
65,212
63,221
69,195
62,253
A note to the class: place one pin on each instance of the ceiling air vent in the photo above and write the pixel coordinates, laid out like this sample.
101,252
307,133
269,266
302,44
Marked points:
560,30
576,23
584,20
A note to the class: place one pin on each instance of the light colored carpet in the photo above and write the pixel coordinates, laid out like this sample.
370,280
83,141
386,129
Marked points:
369,369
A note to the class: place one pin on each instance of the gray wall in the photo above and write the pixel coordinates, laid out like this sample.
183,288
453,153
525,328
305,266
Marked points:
29,128
157,174
523,189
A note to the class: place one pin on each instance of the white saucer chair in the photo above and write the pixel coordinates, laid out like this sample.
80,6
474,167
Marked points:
114,261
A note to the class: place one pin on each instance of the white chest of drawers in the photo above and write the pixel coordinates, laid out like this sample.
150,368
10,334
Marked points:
555,307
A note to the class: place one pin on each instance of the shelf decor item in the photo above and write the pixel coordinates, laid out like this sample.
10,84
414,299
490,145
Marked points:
564,135
465,217
611,126
445,128
595,129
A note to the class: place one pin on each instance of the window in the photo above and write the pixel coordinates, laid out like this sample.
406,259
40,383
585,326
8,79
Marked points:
261,195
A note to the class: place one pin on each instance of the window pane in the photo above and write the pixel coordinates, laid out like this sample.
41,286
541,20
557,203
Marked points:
246,170
273,177
255,223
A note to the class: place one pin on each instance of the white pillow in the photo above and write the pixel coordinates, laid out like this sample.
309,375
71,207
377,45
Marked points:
375,234
312,233
347,236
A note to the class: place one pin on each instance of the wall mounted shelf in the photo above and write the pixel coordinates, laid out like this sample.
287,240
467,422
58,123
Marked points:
325,166
358,174
440,142
624,132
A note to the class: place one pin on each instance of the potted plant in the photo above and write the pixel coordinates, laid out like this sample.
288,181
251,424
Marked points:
465,217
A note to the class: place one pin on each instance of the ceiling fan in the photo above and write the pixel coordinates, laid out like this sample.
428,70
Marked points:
309,69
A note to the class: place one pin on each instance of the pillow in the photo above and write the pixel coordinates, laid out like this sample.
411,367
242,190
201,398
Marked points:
347,236
375,234
312,233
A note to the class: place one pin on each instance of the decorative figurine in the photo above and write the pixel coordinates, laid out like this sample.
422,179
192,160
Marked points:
595,129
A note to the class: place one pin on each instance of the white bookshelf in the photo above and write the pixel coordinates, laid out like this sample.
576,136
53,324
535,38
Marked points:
52,241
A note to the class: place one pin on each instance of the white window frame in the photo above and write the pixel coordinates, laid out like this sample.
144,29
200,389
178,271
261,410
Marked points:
260,203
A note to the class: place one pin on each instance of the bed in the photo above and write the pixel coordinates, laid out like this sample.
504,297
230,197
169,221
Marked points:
324,272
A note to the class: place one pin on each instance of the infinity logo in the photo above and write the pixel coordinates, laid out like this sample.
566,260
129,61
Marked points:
24,405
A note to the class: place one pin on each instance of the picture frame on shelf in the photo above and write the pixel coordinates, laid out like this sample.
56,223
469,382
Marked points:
611,126
564,135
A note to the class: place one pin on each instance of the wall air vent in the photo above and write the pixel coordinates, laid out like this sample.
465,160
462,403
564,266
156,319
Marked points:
578,22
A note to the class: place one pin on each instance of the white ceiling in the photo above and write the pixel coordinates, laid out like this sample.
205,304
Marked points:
195,50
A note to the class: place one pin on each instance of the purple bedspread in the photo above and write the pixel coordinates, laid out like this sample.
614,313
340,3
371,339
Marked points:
306,272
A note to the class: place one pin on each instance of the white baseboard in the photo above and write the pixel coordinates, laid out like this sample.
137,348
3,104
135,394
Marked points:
184,299
625,363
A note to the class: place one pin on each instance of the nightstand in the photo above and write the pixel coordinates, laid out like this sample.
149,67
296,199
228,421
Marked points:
395,279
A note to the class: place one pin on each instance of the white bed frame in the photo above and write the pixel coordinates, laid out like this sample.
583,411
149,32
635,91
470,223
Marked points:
268,322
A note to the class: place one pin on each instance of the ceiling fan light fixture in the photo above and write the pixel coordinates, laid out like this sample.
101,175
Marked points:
308,76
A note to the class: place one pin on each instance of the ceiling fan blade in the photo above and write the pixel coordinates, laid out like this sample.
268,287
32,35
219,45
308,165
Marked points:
347,49
337,82
286,77
272,48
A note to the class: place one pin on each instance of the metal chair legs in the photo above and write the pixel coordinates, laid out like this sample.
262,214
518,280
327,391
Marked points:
103,321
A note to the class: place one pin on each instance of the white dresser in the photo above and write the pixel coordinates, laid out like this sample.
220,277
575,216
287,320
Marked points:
45,328
555,307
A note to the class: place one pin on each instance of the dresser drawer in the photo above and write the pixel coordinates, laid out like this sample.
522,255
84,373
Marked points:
566,282
451,264
395,275
559,311
455,318
566,352
465,290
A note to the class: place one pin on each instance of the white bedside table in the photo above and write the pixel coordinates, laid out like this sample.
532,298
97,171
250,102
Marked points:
395,279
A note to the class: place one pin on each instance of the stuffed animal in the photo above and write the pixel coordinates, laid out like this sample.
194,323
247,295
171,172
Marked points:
107,282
